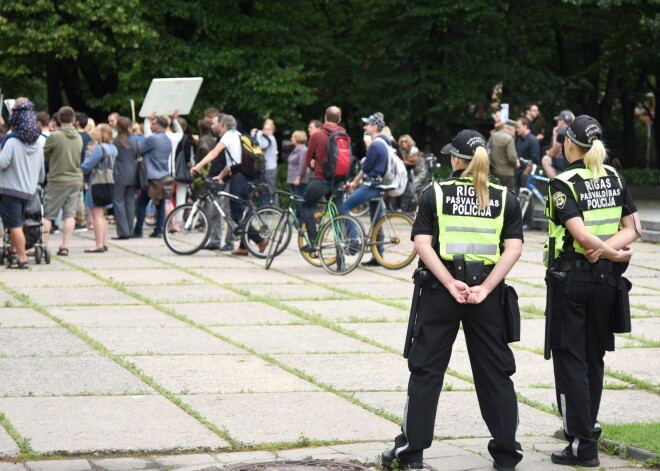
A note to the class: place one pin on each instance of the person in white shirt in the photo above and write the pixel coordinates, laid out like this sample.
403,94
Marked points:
268,144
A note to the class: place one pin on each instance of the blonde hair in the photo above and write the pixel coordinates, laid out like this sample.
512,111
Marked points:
387,132
299,136
595,157
410,140
105,132
479,170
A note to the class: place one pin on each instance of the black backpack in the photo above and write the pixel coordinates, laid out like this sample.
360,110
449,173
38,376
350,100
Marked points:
338,155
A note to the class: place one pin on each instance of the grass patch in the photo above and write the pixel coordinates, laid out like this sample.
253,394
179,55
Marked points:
646,343
641,384
640,435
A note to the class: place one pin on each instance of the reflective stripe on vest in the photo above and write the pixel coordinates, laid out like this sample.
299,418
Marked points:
600,201
464,229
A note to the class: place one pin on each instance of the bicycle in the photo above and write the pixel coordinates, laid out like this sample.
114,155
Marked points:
195,229
338,246
389,236
530,191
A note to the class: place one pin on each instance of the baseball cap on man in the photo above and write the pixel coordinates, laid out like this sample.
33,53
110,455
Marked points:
465,144
566,116
375,119
584,130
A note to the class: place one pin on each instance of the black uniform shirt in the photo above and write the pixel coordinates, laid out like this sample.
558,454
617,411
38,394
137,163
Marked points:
424,220
570,208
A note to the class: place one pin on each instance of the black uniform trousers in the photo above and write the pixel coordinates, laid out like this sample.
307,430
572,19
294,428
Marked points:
438,319
581,314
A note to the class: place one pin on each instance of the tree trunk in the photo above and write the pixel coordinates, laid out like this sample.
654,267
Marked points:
53,88
629,154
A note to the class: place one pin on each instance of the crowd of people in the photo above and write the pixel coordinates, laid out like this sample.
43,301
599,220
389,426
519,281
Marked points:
468,233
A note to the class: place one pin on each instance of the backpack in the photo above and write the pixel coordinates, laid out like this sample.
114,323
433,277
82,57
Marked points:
253,161
338,155
396,176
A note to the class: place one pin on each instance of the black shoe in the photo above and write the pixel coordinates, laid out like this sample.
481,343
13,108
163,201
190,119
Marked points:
155,235
227,248
387,458
136,235
119,237
503,468
566,457
212,247
371,263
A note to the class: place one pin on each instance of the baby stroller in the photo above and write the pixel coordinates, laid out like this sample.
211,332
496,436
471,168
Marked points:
33,230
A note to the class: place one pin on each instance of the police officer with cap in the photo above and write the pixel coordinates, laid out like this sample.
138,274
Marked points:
593,220
468,234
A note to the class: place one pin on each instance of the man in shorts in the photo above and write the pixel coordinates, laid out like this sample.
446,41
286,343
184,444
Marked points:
63,149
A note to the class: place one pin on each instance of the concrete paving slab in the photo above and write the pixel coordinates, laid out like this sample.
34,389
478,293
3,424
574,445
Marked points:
186,293
390,334
29,278
204,259
635,362
97,295
12,467
60,465
115,316
66,375
42,342
240,313
123,464
219,374
293,291
351,310
246,275
458,463
279,417
383,290
532,333
185,460
645,328
523,270
639,271
458,413
118,261
157,276
369,371
7,300
525,291
365,452
646,302
8,447
245,456
23,317
358,276
163,340
293,339
110,424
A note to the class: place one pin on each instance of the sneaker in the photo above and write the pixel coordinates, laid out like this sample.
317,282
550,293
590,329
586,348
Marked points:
212,247
227,248
388,457
566,457
155,235
136,235
80,228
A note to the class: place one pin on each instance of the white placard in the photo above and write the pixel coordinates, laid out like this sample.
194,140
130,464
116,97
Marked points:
504,113
9,103
170,94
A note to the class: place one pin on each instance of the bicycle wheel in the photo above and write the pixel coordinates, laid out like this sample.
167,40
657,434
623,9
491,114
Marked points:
342,245
391,244
263,222
278,237
194,230
310,257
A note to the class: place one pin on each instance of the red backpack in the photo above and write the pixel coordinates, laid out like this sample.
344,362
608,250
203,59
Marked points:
338,155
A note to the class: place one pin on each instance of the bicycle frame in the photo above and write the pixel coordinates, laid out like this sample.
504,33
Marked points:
329,213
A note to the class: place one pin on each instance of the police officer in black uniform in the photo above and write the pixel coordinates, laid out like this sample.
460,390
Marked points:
593,220
468,234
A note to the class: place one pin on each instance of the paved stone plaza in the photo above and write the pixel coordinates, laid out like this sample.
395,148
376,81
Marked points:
199,361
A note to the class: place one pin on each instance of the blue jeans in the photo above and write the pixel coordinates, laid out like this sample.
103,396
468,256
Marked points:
314,192
361,195
269,177
142,203
299,191
240,186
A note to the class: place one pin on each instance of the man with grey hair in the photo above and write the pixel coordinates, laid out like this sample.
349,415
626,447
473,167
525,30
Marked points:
241,187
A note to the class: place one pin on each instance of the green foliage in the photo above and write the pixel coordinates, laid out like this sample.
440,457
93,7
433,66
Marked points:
430,67
641,435
639,176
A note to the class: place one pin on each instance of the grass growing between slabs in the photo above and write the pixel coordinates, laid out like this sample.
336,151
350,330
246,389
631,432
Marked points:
645,436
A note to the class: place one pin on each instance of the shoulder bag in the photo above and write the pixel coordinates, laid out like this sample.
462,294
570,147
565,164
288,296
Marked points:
103,182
